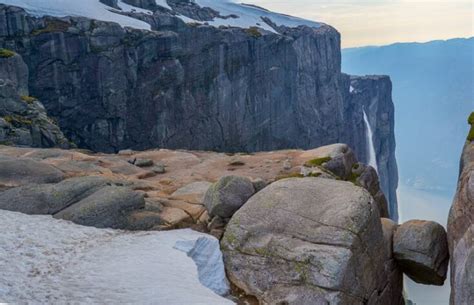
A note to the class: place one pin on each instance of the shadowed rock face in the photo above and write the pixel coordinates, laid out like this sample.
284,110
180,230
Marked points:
23,119
461,232
200,87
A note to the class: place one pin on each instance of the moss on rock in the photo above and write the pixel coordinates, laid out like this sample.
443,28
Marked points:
470,120
253,31
28,99
52,26
4,53
317,162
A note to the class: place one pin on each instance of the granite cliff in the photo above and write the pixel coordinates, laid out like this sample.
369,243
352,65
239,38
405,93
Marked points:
199,79
461,228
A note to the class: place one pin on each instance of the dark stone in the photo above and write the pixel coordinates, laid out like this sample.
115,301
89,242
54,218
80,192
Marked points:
17,171
228,195
109,207
50,198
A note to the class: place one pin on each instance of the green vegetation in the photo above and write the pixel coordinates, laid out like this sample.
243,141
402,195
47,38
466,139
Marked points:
317,162
4,53
303,270
193,24
17,121
470,120
263,252
253,31
353,178
28,99
296,175
52,26
292,175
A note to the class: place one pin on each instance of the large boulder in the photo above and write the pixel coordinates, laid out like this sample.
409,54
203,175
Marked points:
226,196
17,171
421,249
109,207
310,241
50,198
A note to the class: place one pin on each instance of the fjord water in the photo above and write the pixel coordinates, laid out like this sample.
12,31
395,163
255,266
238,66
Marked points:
433,93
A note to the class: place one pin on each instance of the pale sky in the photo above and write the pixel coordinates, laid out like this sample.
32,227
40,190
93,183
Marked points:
381,22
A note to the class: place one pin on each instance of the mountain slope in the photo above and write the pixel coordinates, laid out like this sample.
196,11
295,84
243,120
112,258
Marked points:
433,93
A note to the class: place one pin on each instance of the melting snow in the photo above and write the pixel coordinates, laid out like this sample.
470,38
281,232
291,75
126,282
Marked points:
130,8
248,15
49,261
86,8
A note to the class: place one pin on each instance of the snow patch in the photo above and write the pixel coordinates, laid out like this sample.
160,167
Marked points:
163,3
205,252
130,8
92,9
248,15
49,261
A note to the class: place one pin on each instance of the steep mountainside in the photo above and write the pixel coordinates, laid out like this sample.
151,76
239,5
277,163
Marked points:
226,77
461,228
433,91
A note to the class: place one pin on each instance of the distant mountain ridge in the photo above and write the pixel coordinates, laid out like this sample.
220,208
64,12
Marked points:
433,83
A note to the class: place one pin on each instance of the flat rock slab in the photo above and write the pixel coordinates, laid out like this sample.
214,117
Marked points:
50,198
19,171
44,261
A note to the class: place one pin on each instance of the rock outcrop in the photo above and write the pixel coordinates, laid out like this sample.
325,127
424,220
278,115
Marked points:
119,191
23,119
461,228
196,86
311,241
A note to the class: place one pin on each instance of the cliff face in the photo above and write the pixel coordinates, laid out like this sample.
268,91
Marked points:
23,119
374,95
461,230
195,86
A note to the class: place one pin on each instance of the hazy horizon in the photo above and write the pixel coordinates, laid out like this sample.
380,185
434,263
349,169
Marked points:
382,22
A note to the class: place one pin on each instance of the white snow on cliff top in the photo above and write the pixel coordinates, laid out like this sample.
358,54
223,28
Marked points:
78,8
249,16
49,261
